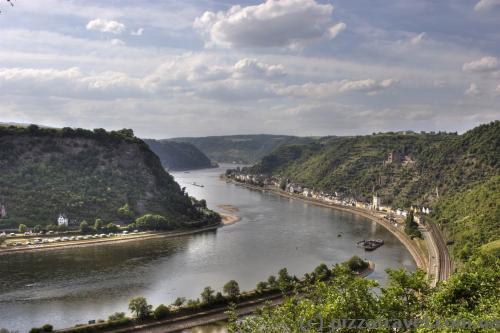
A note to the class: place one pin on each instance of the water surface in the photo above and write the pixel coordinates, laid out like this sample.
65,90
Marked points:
71,286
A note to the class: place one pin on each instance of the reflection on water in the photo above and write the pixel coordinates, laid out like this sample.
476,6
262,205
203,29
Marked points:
66,287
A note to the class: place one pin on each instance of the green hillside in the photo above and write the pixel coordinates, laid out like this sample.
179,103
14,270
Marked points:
471,219
176,156
246,149
429,164
84,174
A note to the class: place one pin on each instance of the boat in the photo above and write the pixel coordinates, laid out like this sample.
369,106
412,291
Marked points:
371,244
199,185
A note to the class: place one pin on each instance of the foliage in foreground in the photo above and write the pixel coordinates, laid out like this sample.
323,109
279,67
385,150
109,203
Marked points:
471,294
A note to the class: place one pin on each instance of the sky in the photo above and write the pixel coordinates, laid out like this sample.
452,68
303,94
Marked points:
207,67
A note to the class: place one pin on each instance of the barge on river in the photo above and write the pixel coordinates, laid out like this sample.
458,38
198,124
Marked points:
371,244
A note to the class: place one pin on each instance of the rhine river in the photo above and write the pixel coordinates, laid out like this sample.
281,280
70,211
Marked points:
70,286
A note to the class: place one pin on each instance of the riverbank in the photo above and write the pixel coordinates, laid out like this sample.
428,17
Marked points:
107,241
413,248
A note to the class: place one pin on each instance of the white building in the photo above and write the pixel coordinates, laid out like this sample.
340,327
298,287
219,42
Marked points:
376,202
62,220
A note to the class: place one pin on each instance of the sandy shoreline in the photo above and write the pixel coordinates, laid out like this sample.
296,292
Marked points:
83,243
416,253
228,216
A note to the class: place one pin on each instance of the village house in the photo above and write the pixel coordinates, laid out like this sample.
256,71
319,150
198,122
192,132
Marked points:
307,192
376,202
62,220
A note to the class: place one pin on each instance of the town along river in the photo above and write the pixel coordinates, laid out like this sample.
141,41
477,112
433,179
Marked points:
71,286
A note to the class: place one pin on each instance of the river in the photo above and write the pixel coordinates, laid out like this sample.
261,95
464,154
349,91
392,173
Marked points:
70,286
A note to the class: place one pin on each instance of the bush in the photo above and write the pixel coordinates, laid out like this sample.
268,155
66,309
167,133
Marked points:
116,316
356,264
161,312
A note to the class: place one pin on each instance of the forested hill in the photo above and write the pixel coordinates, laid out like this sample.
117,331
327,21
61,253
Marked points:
86,175
423,167
179,155
246,149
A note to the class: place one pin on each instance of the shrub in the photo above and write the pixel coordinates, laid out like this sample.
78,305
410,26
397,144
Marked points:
161,312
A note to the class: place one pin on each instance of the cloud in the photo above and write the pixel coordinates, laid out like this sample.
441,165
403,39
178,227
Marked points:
327,89
138,32
485,64
47,82
336,29
473,90
117,42
418,39
486,5
104,25
497,90
271,24
251,68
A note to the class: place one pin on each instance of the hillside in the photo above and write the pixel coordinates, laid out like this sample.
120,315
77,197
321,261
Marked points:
245,149
176,156
423,167
86,175
471,219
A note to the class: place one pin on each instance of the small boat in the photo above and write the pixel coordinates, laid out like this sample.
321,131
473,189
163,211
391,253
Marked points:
199,185
370,245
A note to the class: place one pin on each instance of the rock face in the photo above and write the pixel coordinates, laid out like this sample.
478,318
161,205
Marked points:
177,156
85,175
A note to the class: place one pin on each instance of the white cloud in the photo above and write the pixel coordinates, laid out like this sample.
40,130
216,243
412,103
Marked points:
336,29
327,89
486,5
117,42
271,24
138,32
497,89
473,90
252,68
485,64
104,25
418,39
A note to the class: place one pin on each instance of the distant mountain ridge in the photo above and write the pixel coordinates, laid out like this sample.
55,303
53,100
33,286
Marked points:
86,175
245,149
175,156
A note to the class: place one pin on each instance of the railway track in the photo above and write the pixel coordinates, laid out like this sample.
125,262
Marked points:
445,263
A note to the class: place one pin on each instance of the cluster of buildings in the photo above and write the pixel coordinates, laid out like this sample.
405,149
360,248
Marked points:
331,198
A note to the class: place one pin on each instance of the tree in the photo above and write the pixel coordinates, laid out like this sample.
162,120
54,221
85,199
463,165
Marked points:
125,213
140,307
322,272
411,227
179,301
271,280
153,222
62,228
38,228
117,316
356,264
161,312
284,279
207,296
2,239
85,228
98,225
231,289
261,286
22,228
111,227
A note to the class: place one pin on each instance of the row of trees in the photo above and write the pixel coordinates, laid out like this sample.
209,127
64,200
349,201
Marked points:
470,297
